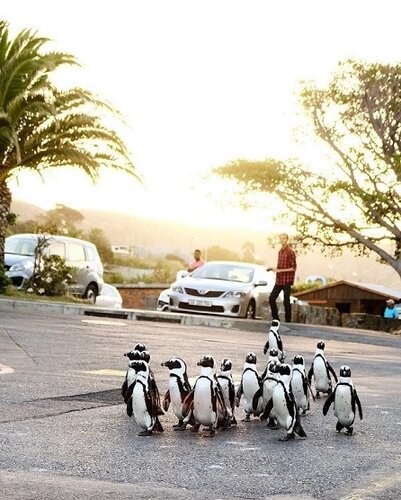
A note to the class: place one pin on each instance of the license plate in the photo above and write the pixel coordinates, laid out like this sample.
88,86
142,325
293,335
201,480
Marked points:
204,303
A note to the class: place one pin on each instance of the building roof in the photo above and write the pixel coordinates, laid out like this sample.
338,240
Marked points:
378,289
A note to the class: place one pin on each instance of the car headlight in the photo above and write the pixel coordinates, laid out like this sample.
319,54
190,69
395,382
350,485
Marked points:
22,266
178,288
237,295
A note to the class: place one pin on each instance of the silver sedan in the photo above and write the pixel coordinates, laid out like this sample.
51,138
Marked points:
236,289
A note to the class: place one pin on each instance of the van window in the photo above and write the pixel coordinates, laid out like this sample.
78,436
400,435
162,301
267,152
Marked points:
57,248
75,253
90,254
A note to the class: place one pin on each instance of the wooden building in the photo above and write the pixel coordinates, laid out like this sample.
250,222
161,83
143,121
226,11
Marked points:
351,297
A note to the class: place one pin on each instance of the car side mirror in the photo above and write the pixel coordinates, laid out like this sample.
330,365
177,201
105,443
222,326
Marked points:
261,283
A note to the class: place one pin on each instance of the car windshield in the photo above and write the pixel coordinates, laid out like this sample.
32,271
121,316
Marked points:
20,246
227,272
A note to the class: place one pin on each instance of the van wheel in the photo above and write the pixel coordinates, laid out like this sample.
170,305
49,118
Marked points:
250,310
91,293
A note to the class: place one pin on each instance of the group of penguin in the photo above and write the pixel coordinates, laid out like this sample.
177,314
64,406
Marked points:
279,396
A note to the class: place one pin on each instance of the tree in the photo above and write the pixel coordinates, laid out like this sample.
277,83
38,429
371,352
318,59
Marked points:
65,219
248,251
97,236
42,126
357,202
219,253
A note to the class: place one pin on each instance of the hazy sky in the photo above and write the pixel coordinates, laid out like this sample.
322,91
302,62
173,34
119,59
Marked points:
200,83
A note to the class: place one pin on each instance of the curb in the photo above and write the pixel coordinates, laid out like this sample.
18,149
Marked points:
134,314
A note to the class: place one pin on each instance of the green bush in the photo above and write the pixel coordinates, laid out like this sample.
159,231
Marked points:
53,278
4,279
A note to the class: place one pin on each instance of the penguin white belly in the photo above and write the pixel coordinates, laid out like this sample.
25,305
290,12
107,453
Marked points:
280,409
272,341
268,388
203,410
131,376
140,411
175,397
297,387
225,389
343,406
250,385
322,381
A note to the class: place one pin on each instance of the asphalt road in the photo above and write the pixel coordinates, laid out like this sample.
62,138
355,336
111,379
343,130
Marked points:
65,434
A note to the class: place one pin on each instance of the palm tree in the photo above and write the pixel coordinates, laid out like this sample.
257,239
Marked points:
42,126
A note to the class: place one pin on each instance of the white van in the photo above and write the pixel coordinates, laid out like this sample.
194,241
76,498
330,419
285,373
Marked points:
19,255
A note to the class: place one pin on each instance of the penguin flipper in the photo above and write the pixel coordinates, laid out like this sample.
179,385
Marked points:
330,368
188,403
238,395
358,402
256,398
298,429
266,347
158,426
129,392
124,388
267,410
310,390
166,400
328,403
130,410
310,374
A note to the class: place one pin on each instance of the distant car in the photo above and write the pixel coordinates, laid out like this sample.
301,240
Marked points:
109,297
163,302
236,289
19,256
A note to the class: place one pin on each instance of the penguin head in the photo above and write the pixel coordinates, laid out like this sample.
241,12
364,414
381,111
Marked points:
275,323
251,358
226,365
139,366
273,352
284,369
273,366
321,345
138,355
175,364
345,371
206,362
298,360
139,347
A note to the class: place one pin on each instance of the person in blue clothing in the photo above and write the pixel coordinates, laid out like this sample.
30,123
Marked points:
390,312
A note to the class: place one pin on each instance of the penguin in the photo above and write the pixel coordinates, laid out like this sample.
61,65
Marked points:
179,388
320,370
273,357
205,403
226,383
299,385
142,399
251,388
282,406
274,340
345,399
269,383
133,355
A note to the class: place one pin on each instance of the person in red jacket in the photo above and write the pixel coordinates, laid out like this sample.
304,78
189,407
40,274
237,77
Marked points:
285,276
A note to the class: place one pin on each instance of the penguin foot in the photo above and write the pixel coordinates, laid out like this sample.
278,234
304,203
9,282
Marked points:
349,431
212,432
247,418
317,395
148,432
288,437
272,425
195,428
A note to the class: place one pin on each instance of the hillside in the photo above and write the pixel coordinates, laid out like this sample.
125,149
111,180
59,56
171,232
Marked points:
168,237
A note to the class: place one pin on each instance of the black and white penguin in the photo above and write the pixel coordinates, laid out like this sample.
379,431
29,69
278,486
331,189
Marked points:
320,370
226,382
274,340
179,388
300,386
205,403
143,399
273,358
345,399
269,383
251,388
282,406
133,355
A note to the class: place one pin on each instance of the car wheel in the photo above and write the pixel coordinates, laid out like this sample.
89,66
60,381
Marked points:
91,293
250,310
